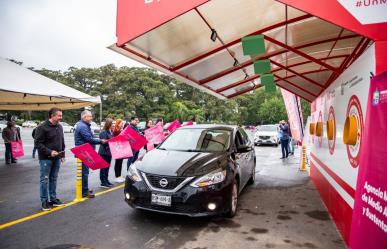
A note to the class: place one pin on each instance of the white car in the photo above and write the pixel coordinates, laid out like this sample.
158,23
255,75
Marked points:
3,124
67,128
29,124
266,134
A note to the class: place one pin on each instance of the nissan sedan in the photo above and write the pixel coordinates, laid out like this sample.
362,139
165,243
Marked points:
198,170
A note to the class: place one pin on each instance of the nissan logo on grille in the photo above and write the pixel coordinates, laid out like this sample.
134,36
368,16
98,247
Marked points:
163,182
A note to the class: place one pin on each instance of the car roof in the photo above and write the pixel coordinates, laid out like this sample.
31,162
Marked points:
210,126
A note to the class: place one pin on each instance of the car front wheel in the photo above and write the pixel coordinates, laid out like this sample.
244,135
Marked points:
233,202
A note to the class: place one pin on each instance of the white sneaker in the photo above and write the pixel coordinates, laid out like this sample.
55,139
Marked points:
119,179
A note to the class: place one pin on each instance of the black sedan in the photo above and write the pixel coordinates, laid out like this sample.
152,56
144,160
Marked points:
198,170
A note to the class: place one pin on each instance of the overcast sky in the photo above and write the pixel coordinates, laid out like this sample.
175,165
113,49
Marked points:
57,34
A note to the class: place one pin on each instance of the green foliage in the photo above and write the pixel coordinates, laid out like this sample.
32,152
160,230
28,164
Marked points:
150,95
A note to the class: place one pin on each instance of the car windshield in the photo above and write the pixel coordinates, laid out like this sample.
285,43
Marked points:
267,128
198,140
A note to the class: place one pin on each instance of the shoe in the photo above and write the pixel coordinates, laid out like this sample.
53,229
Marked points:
282,158
7,162
14,161
110,184
45,206
56,203
119,179
104,186
89,195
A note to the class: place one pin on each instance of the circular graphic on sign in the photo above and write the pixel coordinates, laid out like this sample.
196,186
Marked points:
320,136
353,151
331,124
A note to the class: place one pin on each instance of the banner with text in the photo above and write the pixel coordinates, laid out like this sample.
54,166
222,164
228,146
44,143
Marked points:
369,220
135,139
293,108
120,147
89,157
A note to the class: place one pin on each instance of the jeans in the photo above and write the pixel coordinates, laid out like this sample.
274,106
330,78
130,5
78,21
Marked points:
285,147
132,159
34,151
104,173
48,175
85,179
8,153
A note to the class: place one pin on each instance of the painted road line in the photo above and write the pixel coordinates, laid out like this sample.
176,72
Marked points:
42,213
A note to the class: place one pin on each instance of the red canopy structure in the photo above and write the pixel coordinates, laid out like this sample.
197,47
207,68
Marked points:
307,44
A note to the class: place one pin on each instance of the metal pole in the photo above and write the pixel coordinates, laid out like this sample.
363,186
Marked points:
78,182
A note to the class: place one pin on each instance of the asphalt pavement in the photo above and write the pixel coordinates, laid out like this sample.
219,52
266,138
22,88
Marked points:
281,210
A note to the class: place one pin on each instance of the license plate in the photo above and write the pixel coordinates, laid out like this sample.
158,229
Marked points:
162,200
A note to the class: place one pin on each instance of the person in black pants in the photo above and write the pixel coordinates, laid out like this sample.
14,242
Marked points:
104,152
284,129
118,126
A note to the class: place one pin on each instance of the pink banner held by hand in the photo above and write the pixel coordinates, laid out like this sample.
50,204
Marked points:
89,157
155,134
136,140
174,125
120,147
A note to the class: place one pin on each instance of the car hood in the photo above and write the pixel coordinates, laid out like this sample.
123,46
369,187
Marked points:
266,133
181,163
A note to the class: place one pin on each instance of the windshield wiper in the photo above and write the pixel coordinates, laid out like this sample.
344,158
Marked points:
190,150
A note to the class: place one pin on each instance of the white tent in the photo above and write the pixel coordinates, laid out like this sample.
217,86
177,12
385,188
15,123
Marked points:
24,90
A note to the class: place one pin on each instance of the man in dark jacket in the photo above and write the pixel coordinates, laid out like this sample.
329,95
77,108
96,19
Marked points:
49,139
284,129
133,124
83,135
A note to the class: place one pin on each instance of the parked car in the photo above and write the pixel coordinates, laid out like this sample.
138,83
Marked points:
3,124
95,128
198,170
67,128
266,134
29,124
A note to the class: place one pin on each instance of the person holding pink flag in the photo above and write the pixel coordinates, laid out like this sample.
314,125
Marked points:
104,152
133,125
83,135
118,127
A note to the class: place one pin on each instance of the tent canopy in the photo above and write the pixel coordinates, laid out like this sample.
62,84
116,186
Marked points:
306,53
24,90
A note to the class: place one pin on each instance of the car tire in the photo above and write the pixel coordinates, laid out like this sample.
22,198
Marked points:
233,201
252,177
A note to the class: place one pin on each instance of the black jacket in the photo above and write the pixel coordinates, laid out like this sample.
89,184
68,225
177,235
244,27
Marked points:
104,148
49,137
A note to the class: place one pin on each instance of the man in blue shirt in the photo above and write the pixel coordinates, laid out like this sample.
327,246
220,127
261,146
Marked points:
83,135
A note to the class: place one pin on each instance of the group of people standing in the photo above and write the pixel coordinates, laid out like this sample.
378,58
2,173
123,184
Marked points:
286,140
50,143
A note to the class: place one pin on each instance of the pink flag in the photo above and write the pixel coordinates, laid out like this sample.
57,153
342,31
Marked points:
89,157
188,123
136,140
120,147
149,146
174,125
155,134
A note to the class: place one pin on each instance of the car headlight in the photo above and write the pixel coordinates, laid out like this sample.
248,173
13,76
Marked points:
210,179
133,173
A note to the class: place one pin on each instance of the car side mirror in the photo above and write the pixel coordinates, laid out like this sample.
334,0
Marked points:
243,148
